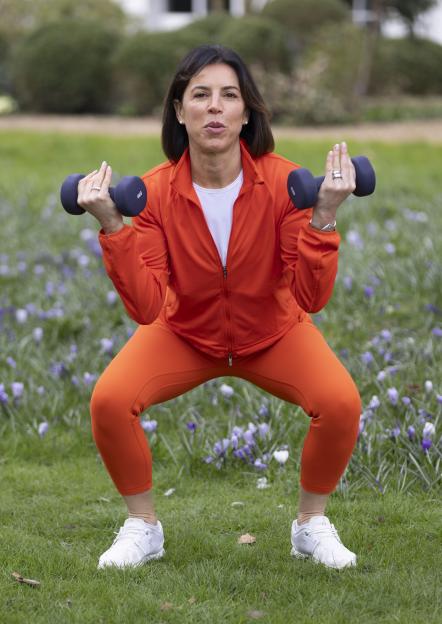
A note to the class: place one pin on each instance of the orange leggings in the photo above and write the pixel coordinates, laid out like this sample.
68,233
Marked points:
156,365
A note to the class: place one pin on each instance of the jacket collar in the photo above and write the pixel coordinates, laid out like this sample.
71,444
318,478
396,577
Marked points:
181,179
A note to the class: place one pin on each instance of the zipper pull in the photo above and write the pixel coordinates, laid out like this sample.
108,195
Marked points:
225,271
230,359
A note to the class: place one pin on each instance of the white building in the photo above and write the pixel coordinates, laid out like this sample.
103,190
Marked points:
173,14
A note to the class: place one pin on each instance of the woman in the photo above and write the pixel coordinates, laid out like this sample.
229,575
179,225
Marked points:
220,270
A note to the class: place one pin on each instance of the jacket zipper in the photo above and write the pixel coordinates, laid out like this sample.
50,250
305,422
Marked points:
230,354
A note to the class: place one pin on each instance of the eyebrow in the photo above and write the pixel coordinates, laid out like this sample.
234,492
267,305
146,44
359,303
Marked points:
204,87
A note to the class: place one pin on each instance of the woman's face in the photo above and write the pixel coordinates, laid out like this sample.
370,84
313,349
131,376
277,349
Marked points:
212,108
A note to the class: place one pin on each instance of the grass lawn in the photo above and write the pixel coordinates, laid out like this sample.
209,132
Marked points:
58,506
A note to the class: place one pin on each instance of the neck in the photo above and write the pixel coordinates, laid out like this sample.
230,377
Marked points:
215,169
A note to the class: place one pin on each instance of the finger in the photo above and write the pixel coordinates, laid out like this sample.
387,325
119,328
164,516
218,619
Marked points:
348,169
329,165
336,157
87,177
107,179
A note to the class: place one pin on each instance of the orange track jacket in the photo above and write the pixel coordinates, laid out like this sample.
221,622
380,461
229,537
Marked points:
278,267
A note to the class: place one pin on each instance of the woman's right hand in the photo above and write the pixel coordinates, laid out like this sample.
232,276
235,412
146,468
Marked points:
93,196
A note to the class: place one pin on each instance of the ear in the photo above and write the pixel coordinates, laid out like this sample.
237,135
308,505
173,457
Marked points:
178,107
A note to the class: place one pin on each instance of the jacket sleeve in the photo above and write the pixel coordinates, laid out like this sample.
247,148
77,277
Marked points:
136,260
310,258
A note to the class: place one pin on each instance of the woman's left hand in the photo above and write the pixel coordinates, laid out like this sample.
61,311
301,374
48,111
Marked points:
334,191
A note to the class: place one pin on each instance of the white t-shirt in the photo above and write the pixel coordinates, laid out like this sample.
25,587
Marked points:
217,205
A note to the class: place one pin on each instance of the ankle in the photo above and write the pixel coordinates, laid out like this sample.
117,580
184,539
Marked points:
147,517
303,518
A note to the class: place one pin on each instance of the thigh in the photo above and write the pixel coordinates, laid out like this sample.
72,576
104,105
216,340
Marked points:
300,368
154,365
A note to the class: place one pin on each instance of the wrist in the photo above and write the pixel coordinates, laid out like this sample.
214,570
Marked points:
323,226
111,227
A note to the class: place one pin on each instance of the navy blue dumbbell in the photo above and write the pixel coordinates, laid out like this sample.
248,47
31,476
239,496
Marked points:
129,195
303,188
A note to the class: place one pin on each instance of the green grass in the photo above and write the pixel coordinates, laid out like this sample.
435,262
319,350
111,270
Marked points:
58,506
58,514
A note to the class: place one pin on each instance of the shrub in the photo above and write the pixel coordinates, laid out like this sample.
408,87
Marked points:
302,19
411,66
63,67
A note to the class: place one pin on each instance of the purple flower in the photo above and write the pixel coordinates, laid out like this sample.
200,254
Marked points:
235,441
75,380
37,334
393,395
41,390
354,239
3,395
259,464
437,331
17,389
406,400
107,345
367,358
374,402
149,425
348,282
58,369
42,428
237,431
395,432
263,430
386,335
248,437
263,410
411,432
21,315
209,459
221,446
239,453
368,291
111,297
426,444
191,426
439,398
89,378
11,362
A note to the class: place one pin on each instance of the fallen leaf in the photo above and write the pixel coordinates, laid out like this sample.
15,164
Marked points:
103,498
237,504
169,492
18,577
192,600
166,605
255,614
246,539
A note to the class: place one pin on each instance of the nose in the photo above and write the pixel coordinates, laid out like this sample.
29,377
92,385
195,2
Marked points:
215,103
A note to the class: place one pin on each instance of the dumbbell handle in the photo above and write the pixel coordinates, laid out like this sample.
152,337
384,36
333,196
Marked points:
129,195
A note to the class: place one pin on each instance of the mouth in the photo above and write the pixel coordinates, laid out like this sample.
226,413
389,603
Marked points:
214,124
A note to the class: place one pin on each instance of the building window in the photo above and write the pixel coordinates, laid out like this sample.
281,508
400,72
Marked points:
180,6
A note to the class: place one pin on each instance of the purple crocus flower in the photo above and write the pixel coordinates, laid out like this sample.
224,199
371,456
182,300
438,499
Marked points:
221,446
248,437
395,432
411,432
107,345
393,395
111,297
10,360
406,400
149,425
368,291
263,430
58,369
426,444
43,428
41,390
208,459
37,334
263,410
235,441
439,398
374,402
3,395
437,331
367,358
17,389
89,378
191,426
259,464
348,282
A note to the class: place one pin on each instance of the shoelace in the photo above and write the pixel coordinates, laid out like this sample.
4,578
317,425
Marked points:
324,530
125,532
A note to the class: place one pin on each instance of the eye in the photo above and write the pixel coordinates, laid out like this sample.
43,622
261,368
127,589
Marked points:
232,95
201,94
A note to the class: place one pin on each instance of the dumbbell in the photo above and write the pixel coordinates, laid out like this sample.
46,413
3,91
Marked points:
303,188
129,195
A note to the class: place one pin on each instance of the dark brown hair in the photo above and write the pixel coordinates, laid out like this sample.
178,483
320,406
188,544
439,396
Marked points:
257,133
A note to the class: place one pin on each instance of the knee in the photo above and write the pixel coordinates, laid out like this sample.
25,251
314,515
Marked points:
341,411
102,405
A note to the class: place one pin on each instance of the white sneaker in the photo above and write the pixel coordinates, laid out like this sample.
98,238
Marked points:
136,542
319,539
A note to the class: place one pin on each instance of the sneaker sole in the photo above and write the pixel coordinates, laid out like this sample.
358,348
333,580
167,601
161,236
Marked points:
299,555
157,555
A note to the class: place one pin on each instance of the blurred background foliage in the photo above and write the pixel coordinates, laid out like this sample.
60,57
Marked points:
311,62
